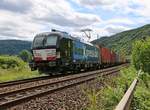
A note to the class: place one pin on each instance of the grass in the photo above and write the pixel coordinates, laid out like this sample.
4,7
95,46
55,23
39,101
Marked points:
114,88
14,68
15,74
141,100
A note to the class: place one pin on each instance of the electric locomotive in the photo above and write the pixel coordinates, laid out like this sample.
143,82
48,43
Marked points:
57,51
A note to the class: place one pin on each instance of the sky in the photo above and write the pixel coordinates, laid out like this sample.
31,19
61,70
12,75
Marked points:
23,19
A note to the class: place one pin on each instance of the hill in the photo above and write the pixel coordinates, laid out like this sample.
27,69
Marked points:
122,42
13,47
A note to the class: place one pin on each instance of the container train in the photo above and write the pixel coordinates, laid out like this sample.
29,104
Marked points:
57,51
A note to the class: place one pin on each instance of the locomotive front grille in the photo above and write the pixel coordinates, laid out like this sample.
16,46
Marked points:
52,63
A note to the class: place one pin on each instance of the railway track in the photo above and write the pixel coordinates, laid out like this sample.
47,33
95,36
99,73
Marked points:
35,79
11,83
14,97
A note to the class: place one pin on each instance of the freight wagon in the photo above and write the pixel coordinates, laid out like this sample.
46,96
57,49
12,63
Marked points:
105,56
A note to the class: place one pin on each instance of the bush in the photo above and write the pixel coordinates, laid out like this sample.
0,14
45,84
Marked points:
141,55
141,99
11,62
25,55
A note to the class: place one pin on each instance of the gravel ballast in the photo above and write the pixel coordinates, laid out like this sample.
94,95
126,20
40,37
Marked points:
72,98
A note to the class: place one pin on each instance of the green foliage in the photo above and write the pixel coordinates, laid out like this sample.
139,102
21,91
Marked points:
25,55
127,75
108,97
141,100
113,93
141,55
123,41
14,68
11,62
111,97
13,47
13,74
93,97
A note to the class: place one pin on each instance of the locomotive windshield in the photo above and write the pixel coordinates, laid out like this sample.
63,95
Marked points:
51,40
46,40
38,42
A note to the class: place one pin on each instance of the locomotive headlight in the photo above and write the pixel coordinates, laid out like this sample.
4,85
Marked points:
50,52
52,63
57,54
35,53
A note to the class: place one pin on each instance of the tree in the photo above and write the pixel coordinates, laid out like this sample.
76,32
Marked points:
141,55
25,55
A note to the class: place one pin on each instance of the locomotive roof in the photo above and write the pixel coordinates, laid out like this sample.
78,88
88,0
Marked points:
65,35
49,33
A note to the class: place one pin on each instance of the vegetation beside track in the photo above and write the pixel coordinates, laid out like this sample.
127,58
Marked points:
11,62
141,55
114,88
141,100
141,60
13,68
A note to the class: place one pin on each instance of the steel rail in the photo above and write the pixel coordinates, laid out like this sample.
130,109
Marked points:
11,83
53,82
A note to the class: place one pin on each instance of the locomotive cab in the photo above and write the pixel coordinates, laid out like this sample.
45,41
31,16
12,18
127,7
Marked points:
50,51
44,47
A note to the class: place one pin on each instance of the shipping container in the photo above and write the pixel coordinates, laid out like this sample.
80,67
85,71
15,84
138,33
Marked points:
105,55
113,57
91,53
85,52
78,51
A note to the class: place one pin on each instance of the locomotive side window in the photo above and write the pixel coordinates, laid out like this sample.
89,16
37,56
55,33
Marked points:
38,42
51,40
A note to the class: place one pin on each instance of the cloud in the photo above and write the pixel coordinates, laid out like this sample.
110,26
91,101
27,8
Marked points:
42,16
136,7
144,9
62,14
103,3
71,20
113,29
94,3
98,32
120,20
22,19
17,25
20,6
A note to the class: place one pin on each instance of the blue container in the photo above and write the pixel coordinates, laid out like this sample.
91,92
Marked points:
78,51
83,52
